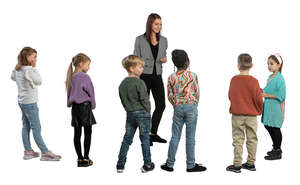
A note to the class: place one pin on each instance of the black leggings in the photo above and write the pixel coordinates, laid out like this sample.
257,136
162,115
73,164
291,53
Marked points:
156,85
276,136
87,141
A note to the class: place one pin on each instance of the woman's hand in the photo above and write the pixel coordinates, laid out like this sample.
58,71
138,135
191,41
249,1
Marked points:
163,60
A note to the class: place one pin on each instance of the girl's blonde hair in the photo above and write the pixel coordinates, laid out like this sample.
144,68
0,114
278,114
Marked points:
22,57
132,61
76,60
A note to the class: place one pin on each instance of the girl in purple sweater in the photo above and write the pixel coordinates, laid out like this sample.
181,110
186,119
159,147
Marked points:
81,98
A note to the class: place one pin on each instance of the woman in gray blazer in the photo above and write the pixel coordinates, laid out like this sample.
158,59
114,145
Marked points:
151,46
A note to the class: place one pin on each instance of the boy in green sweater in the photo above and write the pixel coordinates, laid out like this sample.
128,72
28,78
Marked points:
135,100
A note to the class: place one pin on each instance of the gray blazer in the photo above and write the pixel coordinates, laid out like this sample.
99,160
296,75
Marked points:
142,48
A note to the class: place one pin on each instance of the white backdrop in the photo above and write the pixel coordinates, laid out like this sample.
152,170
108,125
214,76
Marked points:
212,32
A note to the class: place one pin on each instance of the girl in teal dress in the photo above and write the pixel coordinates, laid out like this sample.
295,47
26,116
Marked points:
274,104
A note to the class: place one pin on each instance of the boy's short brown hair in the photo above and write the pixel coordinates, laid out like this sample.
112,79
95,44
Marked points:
132,61
245,61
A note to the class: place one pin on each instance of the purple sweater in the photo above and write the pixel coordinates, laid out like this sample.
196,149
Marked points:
81,90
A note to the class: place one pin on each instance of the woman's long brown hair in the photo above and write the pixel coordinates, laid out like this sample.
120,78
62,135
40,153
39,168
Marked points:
150,21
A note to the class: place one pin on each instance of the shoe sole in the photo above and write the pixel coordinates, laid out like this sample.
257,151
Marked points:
158,142
235,171
196,171
273,159
250,169
83,165
28,158
49,159
145,171
120,171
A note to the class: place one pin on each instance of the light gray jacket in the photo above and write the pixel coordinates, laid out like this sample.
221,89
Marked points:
27,79
142,48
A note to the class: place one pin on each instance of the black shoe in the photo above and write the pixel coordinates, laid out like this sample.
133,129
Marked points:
250,167
197,168
156,138
166,168
233,168
120,169
151,143
273,151
82,163
88,162
147,168
277,154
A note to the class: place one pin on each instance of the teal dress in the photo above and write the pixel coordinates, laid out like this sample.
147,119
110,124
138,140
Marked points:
273,112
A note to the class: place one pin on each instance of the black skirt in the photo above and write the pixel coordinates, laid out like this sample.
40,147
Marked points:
82,115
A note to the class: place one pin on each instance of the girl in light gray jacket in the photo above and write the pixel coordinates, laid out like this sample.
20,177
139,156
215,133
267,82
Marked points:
28,78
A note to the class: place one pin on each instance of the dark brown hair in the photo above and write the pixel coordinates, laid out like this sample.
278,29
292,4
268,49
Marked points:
22,57
151,18
76,60
245,61
274,58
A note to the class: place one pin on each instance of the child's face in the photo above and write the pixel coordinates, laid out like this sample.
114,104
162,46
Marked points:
156,26
137,70
273,66
85,66
32,59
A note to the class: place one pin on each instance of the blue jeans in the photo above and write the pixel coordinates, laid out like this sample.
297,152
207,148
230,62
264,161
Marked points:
142,120
31,120
187,114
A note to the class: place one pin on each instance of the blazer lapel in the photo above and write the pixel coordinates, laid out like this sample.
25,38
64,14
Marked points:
148,49
159,50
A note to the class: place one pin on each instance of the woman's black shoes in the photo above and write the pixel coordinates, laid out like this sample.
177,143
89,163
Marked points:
156,138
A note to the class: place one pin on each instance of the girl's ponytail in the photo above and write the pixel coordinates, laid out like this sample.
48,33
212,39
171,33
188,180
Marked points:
80,57
69,77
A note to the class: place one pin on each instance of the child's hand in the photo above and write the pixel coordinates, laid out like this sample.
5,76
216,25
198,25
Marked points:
33,64
265,95
163,60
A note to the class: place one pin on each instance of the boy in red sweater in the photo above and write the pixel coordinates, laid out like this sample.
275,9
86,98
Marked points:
246,100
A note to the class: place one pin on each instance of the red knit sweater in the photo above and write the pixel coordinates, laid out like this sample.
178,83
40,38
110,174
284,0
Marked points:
245,96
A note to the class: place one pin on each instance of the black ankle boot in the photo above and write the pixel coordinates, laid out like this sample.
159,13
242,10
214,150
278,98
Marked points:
275,154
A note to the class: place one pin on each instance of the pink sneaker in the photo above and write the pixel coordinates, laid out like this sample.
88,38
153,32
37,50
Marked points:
30,155
49,156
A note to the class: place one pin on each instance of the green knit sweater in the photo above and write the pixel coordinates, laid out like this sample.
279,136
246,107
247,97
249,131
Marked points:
133,95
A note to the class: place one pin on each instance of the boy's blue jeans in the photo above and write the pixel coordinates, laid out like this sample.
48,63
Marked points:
31,121
183,114
142,120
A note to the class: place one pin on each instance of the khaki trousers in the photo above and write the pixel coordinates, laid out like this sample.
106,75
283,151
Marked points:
241,125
